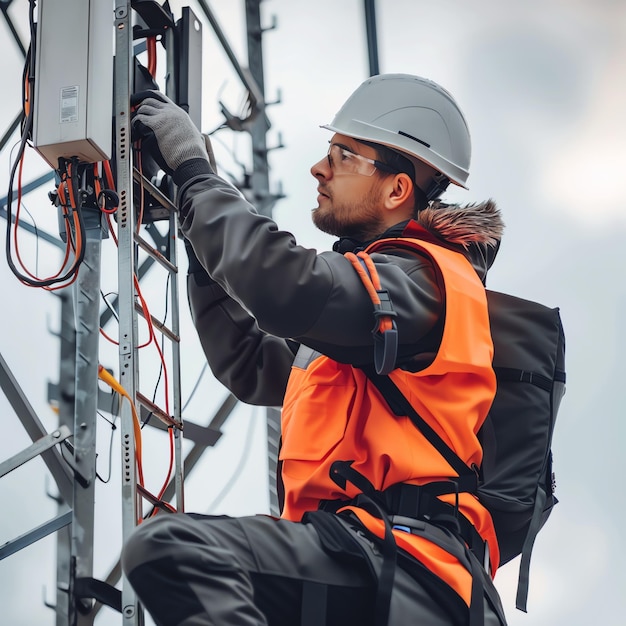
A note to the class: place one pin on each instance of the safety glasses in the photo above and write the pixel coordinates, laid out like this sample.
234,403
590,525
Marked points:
343,161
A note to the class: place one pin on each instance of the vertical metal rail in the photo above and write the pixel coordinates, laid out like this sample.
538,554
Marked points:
264,202
66,396
126,289
176,365
85,410
179,487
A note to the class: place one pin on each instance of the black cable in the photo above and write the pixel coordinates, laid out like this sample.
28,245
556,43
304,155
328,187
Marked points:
110,455
20,152
108,304
35,233
25,77
158,382
26,127
195,387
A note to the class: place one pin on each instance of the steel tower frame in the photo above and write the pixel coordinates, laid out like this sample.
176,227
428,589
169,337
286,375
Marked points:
79,597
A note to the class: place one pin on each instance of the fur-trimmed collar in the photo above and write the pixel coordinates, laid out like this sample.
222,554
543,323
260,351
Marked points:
463,225
476,229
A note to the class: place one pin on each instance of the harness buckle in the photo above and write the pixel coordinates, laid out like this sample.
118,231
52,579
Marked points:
407,524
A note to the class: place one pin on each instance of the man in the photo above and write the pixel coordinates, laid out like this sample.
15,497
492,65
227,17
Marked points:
376,527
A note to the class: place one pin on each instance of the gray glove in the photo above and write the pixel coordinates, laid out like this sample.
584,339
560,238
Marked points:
168,133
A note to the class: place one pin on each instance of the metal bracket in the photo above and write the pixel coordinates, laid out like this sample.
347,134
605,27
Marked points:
10,547
35,449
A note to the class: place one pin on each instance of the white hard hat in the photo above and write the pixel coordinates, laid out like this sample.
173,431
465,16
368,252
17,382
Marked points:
414,116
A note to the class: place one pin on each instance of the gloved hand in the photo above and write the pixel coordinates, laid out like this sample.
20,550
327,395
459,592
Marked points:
168,133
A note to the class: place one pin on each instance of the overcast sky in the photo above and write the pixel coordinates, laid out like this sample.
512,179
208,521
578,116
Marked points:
542,86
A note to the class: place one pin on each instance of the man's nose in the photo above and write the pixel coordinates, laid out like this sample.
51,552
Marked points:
322,169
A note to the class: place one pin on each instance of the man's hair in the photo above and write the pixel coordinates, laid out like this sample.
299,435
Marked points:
400,163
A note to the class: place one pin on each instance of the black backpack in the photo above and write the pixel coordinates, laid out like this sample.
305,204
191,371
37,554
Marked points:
516,482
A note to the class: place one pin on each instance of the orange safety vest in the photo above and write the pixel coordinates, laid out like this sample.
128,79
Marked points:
333,412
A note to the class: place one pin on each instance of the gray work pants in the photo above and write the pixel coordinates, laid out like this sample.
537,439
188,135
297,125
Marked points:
191,570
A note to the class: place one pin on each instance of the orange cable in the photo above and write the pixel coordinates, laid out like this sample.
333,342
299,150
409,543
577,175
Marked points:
152,58
106,377
26,94
111,229
109,338
97,187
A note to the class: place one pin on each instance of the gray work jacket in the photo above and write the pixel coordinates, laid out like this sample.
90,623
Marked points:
260,294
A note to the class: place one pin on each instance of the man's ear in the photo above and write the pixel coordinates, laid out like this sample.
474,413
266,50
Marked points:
399,191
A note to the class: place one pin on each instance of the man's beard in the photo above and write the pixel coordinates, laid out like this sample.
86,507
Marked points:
358,220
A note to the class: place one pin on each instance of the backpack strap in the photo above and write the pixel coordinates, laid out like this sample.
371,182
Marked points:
511,374
523,580
385,332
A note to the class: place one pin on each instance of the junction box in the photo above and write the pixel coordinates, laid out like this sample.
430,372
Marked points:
73,101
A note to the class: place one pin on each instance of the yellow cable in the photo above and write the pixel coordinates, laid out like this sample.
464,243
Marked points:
106,377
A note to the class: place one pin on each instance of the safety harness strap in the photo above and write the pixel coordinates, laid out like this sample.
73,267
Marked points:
421,502
385,332
340,542
467,481
413,502
342,473
467,476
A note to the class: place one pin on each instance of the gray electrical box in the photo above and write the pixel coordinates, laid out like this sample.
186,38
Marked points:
73,104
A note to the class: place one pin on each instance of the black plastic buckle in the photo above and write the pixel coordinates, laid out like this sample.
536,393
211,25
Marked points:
385,308
385,343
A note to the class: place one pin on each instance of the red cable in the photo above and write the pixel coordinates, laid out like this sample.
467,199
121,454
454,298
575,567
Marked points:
152,59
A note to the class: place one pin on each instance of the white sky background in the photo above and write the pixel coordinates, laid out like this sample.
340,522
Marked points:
543,88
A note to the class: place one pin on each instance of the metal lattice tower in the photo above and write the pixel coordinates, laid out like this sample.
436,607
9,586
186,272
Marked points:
79,595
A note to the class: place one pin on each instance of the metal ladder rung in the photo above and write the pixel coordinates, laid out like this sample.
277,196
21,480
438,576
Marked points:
155,254
158,412
155,192
152,499
158,324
